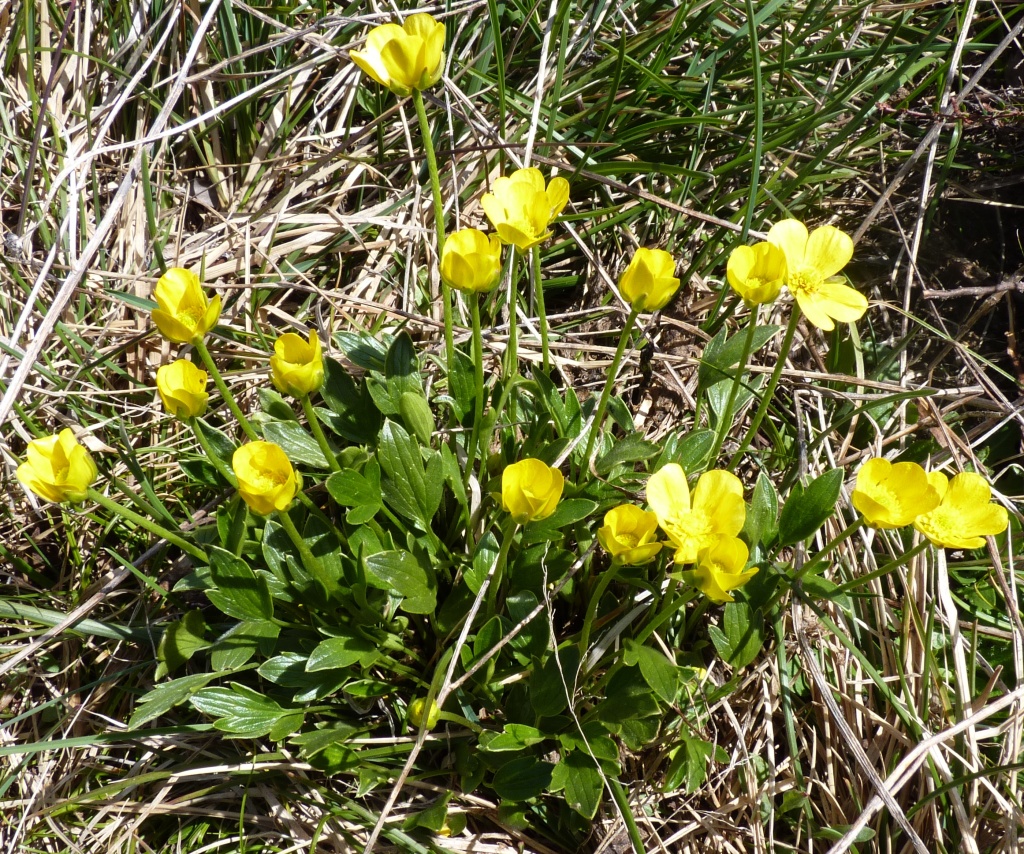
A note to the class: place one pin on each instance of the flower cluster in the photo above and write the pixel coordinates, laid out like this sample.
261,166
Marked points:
955,513
807,264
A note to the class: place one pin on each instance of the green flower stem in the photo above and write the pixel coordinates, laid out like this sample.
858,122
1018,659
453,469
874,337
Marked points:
769,392
222,387
435,186
478,376
603,582
737,380
309,561
507,536
602,404
318,433
627,815
673,604
512,349
148,524
212,457
542,315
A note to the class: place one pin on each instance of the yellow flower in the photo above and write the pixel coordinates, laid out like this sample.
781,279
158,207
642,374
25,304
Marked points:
811,266
717,508
406,57
757,272
893,495
471,260
647,283
58,468
720,568
297,366
530,490
964,516
266,479
183,312
521,209
630,535
418,711
182,388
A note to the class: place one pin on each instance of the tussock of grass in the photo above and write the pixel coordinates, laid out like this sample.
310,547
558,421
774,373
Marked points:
251,148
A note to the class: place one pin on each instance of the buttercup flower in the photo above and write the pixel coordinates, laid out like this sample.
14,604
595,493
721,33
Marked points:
183,313
530,490
418,711
471,260
811,266
717,508
720,568
893,495
630,535
267,481
521,209
57,468
406,57
647,283
756,272
965,515
297,366
182,388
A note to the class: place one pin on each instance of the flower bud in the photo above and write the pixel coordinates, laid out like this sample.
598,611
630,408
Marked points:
757,272
58,468
267,481
183,312
530,490
406,57
297,366
417,709
630,535
647,284
471,260
182,388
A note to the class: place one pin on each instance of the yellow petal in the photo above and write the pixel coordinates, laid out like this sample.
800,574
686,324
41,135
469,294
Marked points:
558,195
841,302
828,250
790,236
668,493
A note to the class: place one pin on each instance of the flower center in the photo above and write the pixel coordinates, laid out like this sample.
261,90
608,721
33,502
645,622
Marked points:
630,540
804,280
267,481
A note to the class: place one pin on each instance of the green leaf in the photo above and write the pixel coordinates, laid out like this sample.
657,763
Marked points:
241,642
239,711
523,778
363,350
352,414
238,591
532,641
462,385
568,512
344,651
165,697
660,673
416,414
694,451
808,508
276,406
577,774
484,560
405,488
549,683
289,671
743,634
352,489
179,642
221,444
688,764
630,449
594,741
401,368
627,698
515,737
400,572
763,514
722,355
299,446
